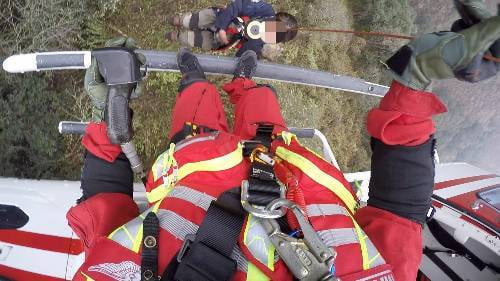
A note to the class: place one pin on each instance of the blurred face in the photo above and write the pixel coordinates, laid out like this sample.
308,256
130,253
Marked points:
274,31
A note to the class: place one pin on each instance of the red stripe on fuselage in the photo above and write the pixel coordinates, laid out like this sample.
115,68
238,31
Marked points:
484,212
17,274
449,183
42,241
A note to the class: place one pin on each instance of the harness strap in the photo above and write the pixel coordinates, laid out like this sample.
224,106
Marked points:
149,256
193,22
207,254
264,134
190,130
262,184
198,39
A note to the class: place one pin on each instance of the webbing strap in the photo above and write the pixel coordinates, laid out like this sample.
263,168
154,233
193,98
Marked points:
262,184
207,255
149,256
263,187
188,130
264,134
194,21
198,39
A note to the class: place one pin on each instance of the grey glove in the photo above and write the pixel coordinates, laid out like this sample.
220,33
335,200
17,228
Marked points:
442,55
473,12
94,83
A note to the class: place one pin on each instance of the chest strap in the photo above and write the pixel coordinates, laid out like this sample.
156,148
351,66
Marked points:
190,130
206,255
149,256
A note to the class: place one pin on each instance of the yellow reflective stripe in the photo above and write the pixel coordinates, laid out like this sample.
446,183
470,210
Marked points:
254,273
128,233
138,239
287,137
362,244
270,257
217,164
318,176
373,259
110,236
171,159
163,162
251,222
156,206
247,227
159,192
87,278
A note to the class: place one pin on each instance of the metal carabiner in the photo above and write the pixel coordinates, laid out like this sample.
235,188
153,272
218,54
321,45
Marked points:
311,237
308,258
257,211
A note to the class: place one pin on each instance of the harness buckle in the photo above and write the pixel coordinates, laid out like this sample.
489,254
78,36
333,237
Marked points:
307,258
188,240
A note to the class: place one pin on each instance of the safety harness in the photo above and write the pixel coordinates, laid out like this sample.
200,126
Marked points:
244,28
206,255
278,236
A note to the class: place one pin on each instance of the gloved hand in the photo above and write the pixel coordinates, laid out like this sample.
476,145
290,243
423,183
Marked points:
443,55
94,82
473,12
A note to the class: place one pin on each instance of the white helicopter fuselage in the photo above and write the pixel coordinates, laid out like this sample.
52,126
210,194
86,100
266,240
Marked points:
45,248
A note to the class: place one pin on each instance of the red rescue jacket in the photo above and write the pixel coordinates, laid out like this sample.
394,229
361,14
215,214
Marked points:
187,177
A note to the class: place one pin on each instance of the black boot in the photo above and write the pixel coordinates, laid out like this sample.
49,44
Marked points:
190,68
246,66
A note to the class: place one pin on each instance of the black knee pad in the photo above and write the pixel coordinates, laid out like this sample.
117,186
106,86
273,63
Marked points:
402,179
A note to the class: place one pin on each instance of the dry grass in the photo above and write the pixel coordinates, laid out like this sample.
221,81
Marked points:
339,115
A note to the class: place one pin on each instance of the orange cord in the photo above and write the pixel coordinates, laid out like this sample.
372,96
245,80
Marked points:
362,33
293,193
492,58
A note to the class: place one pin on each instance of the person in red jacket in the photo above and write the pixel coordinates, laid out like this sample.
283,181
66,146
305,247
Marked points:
216,195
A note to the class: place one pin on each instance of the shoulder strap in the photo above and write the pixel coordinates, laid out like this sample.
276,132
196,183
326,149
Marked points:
189,130
207,254
149,255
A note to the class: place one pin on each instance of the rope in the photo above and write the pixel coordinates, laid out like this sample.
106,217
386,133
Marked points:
492,58
380,34
361,33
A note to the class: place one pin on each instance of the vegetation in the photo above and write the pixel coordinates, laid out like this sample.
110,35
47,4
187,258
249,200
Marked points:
32,105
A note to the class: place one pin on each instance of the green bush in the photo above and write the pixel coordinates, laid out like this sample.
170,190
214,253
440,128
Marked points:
30,144
31,105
